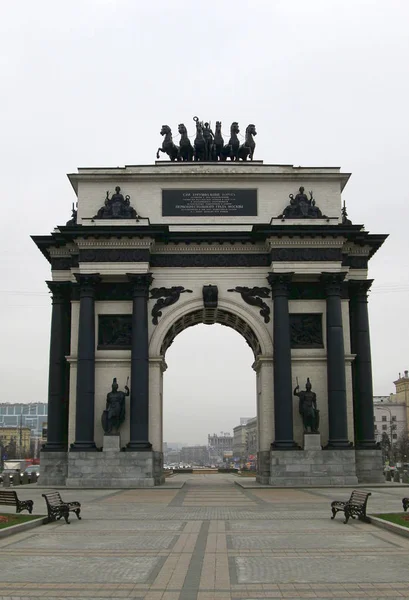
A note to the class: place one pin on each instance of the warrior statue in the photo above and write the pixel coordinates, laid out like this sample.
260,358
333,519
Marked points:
308,408
114,414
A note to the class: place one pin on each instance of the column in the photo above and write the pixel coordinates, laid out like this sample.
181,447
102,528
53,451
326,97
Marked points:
85,402
58,376
362,365
337,399
139,406
283,393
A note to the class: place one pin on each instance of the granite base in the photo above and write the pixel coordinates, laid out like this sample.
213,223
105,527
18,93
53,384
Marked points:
115,469
54,468
369,467
312,468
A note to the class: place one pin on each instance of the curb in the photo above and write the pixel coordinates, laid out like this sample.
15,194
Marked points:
393,527
23,527
260,486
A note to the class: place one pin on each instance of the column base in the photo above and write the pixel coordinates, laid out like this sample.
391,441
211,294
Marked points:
138,447
285,445
83,447
54,447
339,445
366,445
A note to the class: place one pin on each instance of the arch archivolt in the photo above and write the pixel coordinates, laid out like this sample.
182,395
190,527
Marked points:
246,313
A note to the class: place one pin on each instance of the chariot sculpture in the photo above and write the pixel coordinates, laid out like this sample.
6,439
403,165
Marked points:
208,146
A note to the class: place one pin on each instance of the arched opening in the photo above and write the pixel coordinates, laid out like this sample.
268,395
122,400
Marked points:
209,389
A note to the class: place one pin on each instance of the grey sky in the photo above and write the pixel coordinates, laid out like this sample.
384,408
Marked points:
90,82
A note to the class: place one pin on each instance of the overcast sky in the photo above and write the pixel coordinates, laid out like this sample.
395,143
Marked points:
90,82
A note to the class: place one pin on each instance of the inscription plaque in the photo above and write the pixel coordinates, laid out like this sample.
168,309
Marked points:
209,202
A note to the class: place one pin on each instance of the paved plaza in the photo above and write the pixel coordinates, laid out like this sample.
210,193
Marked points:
208,539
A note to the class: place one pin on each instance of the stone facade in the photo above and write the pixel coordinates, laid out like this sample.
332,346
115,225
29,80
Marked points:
295,289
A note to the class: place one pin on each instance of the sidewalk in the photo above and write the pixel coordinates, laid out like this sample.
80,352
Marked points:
207,540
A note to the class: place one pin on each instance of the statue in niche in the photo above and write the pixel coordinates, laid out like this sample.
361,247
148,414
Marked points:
308,408
114,414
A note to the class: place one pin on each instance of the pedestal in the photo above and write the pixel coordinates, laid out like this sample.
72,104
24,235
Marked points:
111,443
303,468
312,441
54,466
114,469
369,466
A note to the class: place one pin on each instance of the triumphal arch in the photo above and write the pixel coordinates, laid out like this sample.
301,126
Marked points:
265,249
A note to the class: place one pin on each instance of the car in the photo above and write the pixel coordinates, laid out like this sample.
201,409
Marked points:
9,473
32,469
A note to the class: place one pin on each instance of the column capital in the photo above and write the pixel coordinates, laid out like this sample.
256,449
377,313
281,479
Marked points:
333,283
280,283
359,288
87,282
140,283
60,290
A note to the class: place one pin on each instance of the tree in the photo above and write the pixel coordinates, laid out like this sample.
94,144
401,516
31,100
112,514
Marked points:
386,447
11,449
402,448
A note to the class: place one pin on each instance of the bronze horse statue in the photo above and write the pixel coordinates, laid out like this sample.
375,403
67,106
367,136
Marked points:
247,149
200,142
186,151
231,150
218,141
168,147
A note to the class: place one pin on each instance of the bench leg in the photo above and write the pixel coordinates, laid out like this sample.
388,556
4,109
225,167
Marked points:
77,512
334,512
347,515
30,505
65,514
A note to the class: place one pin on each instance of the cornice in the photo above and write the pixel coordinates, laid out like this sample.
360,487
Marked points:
126,242
287,242
354,250
225,171
210,248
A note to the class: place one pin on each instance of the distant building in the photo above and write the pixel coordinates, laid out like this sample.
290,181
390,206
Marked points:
219,445
391,412
195,455
31,415
172,457
251,439
239,442
18,437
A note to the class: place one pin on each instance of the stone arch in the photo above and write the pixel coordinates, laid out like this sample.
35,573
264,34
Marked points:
231,313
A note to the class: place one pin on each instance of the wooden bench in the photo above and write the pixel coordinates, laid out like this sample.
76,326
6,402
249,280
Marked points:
9,497
57,508
405,503
354,507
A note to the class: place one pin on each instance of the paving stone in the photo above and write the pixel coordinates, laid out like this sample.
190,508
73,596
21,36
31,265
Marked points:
328,569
